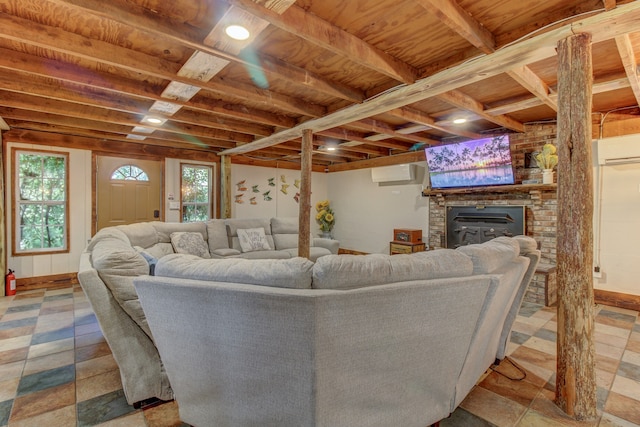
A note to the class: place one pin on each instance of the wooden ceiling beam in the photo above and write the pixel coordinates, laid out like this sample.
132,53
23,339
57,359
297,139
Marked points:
121,87
456,18
106,146
91,110
386,131
417,116
56,112
322,33
174,142
215,45
461,100
58,40
628,57
603,26
603,84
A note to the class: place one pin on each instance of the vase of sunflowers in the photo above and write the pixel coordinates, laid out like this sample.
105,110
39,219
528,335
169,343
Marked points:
325,218
547,159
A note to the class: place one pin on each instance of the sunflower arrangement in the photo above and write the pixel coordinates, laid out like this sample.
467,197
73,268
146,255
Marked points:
324,216
547,158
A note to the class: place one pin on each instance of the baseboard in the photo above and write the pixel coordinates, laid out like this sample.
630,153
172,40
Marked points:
49,282
616,299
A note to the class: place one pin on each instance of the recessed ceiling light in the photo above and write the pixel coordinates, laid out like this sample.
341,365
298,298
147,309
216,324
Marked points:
459,121
331,148
154,120
237,32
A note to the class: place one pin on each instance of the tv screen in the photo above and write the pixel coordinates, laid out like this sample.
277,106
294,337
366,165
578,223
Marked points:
479,162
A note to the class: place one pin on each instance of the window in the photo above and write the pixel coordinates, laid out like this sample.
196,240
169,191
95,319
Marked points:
196,190
41,202
130,173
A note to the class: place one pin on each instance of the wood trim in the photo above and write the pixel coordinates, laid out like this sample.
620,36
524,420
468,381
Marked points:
48,282
617,299
516,188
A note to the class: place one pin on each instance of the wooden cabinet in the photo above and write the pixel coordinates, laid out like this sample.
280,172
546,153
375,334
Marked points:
396,247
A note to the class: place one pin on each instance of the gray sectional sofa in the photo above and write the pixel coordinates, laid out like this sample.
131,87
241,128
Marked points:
373,340
116,255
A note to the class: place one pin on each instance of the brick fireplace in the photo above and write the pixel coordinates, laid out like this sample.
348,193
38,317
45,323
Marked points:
539,202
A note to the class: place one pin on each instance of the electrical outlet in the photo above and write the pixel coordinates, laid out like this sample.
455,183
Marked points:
597,273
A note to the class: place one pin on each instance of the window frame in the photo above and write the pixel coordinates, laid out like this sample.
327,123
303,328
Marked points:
16,203
211,189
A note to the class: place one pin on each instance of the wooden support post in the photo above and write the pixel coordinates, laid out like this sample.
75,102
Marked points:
304,208
225,187
3,212
576,378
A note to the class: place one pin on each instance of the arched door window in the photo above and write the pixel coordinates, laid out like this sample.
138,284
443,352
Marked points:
129,173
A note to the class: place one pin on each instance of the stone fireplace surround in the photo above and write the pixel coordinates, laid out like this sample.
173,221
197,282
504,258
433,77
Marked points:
539,201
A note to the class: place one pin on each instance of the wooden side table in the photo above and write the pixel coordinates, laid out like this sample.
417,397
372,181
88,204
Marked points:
396,247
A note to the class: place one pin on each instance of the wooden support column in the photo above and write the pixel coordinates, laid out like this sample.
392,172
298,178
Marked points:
304,212
225,187
3,213
576,378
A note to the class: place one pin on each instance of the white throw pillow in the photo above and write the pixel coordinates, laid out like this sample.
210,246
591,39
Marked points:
253,239
190,243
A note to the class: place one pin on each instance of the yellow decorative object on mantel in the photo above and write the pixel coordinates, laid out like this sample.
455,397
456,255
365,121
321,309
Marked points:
546,160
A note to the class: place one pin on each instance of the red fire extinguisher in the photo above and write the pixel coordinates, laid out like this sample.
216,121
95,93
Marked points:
10,284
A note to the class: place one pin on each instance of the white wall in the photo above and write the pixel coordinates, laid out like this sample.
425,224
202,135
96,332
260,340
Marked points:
244,178
617,216
367,212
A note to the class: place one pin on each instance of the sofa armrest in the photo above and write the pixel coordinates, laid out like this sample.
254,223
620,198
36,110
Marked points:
332,245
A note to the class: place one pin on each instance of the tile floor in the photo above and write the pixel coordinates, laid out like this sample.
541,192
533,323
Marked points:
57,370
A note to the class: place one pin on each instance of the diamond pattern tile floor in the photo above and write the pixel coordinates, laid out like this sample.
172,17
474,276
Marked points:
56,369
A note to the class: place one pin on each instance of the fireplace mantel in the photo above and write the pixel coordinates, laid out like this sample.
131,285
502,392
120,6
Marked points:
518,188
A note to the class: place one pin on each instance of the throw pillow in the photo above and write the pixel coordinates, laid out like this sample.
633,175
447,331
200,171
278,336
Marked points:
253,239
191,243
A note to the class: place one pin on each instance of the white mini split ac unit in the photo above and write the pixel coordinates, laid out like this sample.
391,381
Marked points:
618,151
404,172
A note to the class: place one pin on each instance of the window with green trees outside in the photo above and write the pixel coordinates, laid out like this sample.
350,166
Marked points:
196,188
41,202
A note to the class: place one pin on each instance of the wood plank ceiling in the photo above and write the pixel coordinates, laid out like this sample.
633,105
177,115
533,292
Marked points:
374,78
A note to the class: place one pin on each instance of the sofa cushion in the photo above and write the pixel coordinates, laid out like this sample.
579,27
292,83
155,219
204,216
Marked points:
315,252
141,234
283,273
217,235
118,264
355,271
492,255
164,229
224,252
190,243
108,233
154,253
253,239
527,244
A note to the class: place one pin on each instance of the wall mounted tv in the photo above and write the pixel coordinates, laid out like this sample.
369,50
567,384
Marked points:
474,163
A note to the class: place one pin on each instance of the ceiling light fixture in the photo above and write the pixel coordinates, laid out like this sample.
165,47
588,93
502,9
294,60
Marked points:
331,148
459,121
154,120
237,32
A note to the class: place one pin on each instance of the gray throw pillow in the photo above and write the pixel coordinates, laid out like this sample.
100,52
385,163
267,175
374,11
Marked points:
190,243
